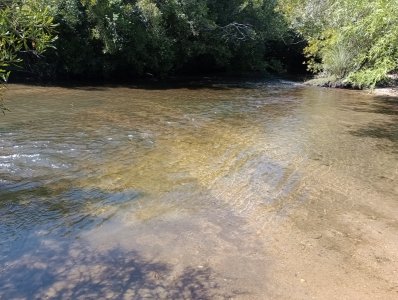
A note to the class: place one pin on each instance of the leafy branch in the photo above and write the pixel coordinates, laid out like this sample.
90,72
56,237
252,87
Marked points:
26,28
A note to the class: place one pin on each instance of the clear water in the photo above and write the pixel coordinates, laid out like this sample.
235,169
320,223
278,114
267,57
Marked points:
123,192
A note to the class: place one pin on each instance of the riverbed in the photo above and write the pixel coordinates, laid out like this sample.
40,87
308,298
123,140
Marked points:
212,190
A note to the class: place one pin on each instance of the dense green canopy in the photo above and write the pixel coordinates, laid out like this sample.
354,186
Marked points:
105,38
354,41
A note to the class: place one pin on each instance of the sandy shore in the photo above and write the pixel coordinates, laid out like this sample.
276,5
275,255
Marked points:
390,91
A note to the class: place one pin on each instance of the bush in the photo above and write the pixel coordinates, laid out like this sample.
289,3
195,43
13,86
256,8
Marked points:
354,40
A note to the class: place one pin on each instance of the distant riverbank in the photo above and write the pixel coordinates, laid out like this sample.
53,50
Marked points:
227,79
389,89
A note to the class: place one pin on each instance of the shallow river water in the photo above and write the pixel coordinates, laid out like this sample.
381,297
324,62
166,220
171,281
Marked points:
213,191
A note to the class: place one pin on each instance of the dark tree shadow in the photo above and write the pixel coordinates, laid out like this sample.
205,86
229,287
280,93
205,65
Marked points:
61,272
25,204
218,83
382,105
381,130
58,266
387,129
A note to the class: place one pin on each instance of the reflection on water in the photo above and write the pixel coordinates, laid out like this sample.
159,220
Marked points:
131,192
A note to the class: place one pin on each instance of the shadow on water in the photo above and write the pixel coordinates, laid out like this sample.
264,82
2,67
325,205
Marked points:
381,130
151,85
209,83
385,129
62,208
381,105
156,86
45,264
56,271
386,106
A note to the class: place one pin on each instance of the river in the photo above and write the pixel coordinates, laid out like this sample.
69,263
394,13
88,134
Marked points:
247,190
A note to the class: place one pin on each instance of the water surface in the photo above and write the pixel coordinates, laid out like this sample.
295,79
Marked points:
248,190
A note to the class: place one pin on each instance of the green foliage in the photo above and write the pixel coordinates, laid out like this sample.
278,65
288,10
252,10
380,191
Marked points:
26,29
123,38
108,38
337,61
354,40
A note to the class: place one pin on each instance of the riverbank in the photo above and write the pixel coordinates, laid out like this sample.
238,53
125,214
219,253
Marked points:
227,80
389,89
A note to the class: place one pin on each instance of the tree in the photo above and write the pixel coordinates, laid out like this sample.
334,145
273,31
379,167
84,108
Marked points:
354,41
26,30
108,38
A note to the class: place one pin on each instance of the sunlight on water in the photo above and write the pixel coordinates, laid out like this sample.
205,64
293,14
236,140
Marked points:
157,184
